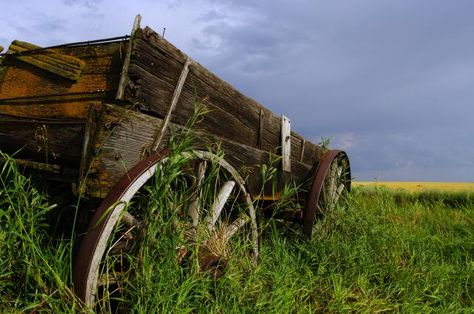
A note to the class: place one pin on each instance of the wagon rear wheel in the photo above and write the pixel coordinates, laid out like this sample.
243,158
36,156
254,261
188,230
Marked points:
331,181
216,211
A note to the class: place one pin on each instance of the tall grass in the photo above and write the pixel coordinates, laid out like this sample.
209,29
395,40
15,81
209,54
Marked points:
34,267
372,256
379,252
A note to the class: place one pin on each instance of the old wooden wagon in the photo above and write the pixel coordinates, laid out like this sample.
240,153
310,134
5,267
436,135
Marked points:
99,115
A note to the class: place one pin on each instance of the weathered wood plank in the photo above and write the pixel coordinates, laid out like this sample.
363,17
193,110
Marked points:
177,92
42,140
22,82
153,95
285,144
124,74
154,71
60,64
166,69
55,110
123,134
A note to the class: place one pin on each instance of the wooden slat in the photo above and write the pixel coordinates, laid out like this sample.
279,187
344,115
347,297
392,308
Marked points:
56,110
174,100
124,75
42,140
123,134
60,64
24,83
285,144
154,70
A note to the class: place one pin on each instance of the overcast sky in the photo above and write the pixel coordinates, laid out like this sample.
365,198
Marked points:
391,82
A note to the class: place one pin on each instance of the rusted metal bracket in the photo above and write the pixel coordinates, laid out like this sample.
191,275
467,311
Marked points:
286,144
177,92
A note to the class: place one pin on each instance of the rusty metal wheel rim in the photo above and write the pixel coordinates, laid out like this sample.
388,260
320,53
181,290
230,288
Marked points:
108,214
321,178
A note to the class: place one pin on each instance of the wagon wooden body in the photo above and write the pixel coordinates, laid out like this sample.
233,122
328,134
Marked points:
88,113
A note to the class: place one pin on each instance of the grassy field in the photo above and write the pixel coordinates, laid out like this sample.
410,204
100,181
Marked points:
420,186
381,251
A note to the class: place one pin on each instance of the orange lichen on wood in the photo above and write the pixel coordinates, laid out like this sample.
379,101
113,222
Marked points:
23,82
68,110
60,64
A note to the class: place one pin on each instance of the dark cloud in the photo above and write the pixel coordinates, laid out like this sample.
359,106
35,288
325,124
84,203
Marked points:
388,81
393,76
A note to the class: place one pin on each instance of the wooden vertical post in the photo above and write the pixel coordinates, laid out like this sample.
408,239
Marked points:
126,62
303,142
286,144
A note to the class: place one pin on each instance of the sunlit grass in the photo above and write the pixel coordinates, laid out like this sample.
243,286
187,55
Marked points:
382,251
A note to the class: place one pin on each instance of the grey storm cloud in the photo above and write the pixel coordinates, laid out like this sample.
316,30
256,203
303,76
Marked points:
388,81
391,77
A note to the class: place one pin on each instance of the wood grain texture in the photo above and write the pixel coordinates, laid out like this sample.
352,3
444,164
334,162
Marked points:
23,82
155,67
123,134
42,140
285,144
43,115
59,64
54,110
126,62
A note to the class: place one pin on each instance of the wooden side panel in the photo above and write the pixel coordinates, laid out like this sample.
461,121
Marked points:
153,74
43,115
122,135
42,140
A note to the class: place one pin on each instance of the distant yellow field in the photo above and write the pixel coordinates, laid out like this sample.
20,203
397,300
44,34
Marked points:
422,186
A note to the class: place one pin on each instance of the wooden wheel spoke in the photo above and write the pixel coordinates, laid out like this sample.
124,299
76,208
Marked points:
109,279
219,203
235,226
195,204
129,220
108,247
333,183
324,196
339,191
123,243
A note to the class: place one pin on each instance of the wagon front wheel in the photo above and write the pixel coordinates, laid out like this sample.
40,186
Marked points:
331,181
213,212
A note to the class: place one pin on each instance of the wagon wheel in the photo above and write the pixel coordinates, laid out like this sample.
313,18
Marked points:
331,181
218,209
